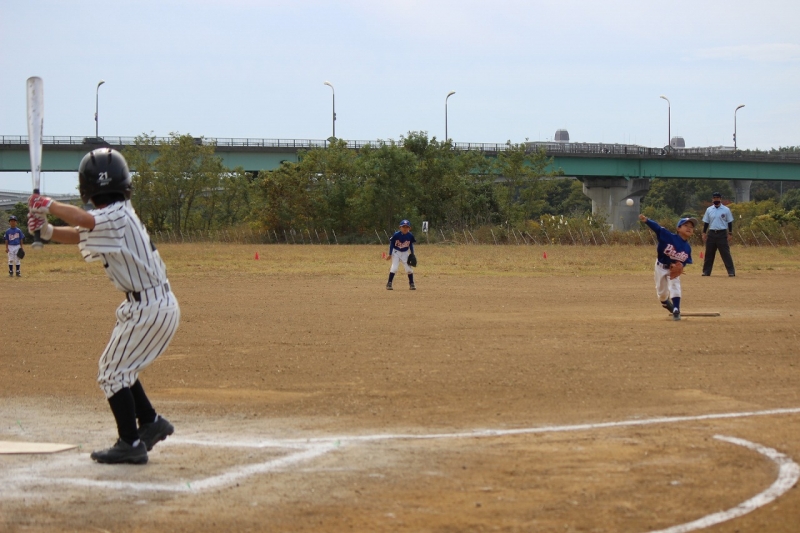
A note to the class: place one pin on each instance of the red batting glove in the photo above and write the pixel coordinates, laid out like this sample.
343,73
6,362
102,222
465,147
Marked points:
39,204
39,223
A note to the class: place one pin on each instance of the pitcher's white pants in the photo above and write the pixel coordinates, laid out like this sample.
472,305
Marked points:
665,287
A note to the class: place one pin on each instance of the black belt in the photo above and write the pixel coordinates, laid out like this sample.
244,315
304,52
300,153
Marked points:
717,230
135,296
662,265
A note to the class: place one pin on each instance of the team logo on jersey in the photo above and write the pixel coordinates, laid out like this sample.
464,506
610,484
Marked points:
103,179
675,255
401,245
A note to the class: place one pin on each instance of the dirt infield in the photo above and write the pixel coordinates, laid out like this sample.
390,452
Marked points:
508,393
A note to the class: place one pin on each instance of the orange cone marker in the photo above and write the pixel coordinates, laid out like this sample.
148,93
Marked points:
544,255
256,256
701,255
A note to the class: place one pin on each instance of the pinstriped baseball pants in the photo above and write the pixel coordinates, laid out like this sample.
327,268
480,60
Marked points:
143,331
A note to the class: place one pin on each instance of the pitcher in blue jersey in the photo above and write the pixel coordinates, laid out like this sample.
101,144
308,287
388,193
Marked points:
401,245
671,248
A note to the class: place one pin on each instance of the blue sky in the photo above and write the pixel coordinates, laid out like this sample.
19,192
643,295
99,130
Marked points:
520,69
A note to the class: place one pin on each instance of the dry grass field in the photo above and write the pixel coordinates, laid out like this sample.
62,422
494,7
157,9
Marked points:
510,392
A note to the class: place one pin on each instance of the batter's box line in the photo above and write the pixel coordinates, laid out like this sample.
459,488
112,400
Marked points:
213,482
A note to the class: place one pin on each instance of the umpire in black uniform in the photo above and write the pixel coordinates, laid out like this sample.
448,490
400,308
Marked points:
717,235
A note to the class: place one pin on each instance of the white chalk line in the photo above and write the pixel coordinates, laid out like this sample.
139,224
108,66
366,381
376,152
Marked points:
213,482
480,433
788,474
311,448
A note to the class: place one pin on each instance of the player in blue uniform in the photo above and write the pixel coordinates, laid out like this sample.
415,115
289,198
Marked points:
671,248
13,238
401,245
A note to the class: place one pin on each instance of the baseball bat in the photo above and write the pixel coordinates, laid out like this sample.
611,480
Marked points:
35,97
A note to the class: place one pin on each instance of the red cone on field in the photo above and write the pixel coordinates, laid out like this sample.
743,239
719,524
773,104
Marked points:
544,255
256,256
701,255
383,255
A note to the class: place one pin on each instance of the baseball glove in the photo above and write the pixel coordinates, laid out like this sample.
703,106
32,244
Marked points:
675,270
21,253
412,260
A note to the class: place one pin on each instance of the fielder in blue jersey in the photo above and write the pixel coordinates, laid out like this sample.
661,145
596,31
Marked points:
13,238
401,245
671,248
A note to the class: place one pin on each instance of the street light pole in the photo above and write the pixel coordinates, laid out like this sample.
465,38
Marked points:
97,109
669,121
451,93
333,96
734,125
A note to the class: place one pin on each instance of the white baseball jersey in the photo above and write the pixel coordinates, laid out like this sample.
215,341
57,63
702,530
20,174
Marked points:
148,318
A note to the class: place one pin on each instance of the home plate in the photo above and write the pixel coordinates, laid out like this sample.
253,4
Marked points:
8,447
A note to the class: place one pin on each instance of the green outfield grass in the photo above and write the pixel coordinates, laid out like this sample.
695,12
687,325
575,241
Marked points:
444,260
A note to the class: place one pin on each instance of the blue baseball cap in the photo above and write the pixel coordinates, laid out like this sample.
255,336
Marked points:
12,217
405,222
683,221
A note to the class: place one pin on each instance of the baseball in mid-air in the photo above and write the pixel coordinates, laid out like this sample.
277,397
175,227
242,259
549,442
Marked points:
629,201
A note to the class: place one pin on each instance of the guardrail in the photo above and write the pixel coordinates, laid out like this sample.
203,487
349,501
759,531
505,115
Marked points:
552,148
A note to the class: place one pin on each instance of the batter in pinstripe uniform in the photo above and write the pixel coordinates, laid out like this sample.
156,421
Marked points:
148,317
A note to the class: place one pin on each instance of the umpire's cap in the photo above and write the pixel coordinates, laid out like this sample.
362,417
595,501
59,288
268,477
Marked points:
716,195
683,221
12,217
405,222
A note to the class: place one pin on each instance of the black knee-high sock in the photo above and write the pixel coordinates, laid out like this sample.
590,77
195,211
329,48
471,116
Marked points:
10,268
677,302
144,411
391,276
124,409
411,279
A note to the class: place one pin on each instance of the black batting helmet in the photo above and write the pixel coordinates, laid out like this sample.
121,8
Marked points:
103,171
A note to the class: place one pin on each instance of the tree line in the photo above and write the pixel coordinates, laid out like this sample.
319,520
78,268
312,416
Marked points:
181,186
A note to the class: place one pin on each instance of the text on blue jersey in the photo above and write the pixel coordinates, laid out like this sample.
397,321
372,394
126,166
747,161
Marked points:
402,242
13,236
671,247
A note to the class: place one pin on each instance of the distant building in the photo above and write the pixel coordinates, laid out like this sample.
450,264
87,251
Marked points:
677,142
562,136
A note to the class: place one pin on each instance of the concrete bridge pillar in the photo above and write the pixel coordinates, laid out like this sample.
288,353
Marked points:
608,199
741,190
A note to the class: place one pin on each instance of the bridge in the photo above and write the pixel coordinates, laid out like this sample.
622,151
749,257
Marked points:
9,199
611,173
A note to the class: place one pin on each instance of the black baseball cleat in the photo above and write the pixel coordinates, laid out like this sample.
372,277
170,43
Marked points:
676,314
153,433
668,305
389,287
19,274
122,452
412,287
